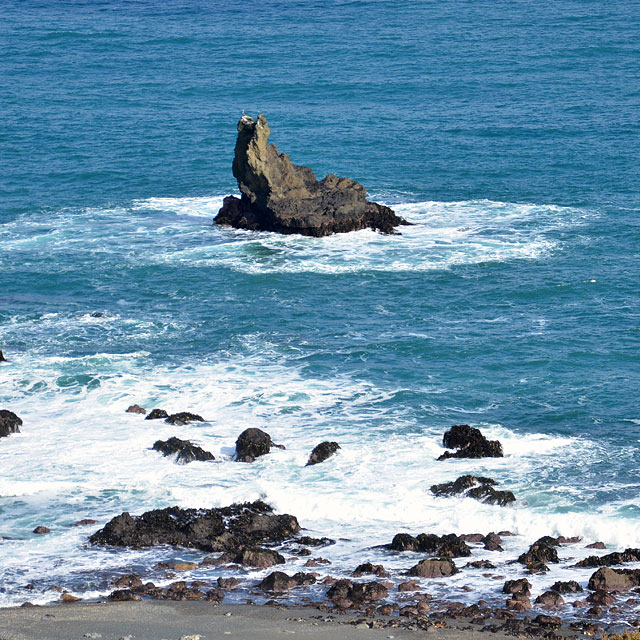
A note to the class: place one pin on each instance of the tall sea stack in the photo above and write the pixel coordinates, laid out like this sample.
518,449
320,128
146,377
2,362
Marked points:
280,196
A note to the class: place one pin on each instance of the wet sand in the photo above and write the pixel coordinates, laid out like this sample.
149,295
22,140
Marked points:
175,620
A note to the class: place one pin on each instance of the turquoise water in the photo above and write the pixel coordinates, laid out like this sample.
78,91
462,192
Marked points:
507,132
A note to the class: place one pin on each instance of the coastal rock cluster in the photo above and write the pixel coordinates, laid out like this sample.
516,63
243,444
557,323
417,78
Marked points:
280,196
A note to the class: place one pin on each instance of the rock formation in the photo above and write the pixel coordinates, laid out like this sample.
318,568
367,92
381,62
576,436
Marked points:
184,450
470,443
476,487
280,196
9,423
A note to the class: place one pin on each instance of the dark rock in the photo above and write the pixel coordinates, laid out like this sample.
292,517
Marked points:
84,522
470,443
225,529
185,450
136,408
184,417
228,583
214,595
476,487
433,569
606,579
2,358
571,540
566,587
368,568
540,552
360,592
280,196
480,564
40,530
472,537
97,314
522,585
448,546
548,621
315,542
410,585
9,423
253,443
549,600
258,557
279,581
322,451
128,581
601,598
596,545
518,604
157,414
492,542
124,595
610,559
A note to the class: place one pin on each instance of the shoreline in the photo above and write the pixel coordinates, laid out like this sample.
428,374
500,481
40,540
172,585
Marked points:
170,620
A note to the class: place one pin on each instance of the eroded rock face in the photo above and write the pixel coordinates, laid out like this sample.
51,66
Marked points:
280,196
9,423
322,451
184,450
226,529
476,487
470,443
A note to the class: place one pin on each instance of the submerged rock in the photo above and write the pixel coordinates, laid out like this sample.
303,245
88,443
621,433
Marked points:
226,529
253,443
136,408
322,451
9,423
470,443
184,417
280,196
184,450
476,487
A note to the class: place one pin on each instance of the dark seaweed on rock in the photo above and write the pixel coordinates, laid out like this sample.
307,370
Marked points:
280,196
184,450
225,529
9,423
476,487
470,443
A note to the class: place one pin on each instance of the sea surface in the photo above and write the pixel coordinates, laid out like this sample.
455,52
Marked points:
507,132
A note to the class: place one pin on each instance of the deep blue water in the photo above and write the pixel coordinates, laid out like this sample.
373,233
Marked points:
507,131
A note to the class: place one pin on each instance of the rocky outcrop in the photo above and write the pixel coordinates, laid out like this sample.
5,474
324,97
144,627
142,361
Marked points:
476,487
253,443
9,423
226,529
322,451
280,196
184,450
447,546
470,443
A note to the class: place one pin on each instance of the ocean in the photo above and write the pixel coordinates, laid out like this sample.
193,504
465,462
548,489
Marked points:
507,132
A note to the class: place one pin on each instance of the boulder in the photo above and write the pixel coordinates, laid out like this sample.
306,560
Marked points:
606,579
522,585
596,545
549,600
225,529
476,487
279,581
258,557
9,423
280,196
540,552
433,568
492,542
184,417
40,530
570,586
136,408
253,443
321,452
358,592
184,450
157,414
470,443
315,542
447,546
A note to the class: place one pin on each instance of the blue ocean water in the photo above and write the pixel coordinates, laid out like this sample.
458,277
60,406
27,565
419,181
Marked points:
506,131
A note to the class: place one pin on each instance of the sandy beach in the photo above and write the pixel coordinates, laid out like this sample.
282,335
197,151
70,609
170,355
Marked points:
193,620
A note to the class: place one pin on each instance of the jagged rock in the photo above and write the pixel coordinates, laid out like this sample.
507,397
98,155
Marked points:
322,451
253,443
570,586
522,585
448,546
184,417
492,542
136,408
433,568
9,423
226,529
40,530
540,552
549,600
470,443
601,598
279,581
360,592
157,414
606,579
280,196
184,450
610,559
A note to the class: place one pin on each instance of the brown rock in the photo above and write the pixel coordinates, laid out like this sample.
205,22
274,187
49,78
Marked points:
596,545
607,579
84,522
136,408
433,568
522,585
40,530
67,597
550,600
410,585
